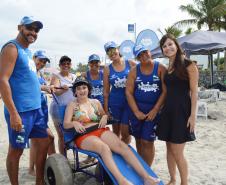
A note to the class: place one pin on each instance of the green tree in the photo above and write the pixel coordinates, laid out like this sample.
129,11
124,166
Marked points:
205,12
176,32
81,67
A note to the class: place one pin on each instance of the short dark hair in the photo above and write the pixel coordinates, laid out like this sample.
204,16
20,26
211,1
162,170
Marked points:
64,58
81,81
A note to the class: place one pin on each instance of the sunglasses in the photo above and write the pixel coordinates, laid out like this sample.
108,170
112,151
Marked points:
31,27
65,63
111,51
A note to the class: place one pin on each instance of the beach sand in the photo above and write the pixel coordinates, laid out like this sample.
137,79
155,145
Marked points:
206,156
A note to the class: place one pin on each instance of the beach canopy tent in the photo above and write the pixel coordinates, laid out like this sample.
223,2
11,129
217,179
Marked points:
200,43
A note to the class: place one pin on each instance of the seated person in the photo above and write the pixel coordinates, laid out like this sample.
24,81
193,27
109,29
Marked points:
82,113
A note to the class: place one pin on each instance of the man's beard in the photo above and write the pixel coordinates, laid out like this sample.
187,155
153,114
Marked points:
25,37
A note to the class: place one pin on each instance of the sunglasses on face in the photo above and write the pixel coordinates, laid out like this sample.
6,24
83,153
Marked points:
111,51
65,63
31,27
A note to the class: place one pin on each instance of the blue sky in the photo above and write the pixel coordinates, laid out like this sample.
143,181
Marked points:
78,28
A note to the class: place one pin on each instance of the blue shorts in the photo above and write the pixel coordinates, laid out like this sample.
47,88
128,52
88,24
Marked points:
34,126
119,113
142,129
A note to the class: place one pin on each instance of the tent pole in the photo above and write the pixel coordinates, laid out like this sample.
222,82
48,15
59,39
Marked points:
210,58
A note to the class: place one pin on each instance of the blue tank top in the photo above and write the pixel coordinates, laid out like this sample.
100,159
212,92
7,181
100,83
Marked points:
117,81
24,82
97,87
147,88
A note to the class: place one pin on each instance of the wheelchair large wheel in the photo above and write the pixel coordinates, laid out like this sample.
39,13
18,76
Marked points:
58,171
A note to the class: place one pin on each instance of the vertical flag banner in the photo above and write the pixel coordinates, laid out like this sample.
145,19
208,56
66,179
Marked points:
131,28
126,49
148,38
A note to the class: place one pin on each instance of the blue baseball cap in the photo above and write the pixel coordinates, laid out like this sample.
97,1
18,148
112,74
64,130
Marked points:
94,57
110,44
29,20
138,49
41,55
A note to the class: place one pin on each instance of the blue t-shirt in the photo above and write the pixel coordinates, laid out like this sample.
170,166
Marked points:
147,88
24,82
97,87
118,84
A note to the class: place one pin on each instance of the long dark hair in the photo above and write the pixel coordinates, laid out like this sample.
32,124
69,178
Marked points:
181,63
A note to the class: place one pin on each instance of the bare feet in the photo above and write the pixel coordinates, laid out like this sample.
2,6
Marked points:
171,182
31,172
151,181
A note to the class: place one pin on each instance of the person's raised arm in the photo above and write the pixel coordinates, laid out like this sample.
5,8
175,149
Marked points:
161,73
8,58
55,82
193,75
106,88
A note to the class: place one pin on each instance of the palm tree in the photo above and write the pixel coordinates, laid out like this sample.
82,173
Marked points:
205,12
176,32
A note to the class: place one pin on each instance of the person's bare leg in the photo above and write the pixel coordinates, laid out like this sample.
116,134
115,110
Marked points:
51,148
116,129
117,146
126,138
148,151
31,169
171,164
178,153
12,164
41,148
138,146
60,139
93,143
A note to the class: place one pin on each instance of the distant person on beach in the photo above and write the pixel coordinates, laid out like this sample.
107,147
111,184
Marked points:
177,119
115,103
40,58
83,113
20,90
145,93
62,82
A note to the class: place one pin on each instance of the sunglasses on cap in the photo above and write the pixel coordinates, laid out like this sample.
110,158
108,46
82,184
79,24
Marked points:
111,51
31,27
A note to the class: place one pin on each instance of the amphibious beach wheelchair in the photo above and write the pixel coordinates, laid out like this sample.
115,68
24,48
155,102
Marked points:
59,171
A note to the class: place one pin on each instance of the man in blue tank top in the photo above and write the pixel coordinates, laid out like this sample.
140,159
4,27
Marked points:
145,93
21,94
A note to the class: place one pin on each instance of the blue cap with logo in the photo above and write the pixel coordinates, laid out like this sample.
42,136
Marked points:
93,57
41,55
138,49
29,20
110,44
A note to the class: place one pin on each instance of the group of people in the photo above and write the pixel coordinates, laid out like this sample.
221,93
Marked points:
145,100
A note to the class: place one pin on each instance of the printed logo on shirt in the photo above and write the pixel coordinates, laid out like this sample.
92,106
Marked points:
138,79
120,82
155,78
148,87
31,65
97,91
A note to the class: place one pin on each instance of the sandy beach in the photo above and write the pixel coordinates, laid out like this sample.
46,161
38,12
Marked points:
206,156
